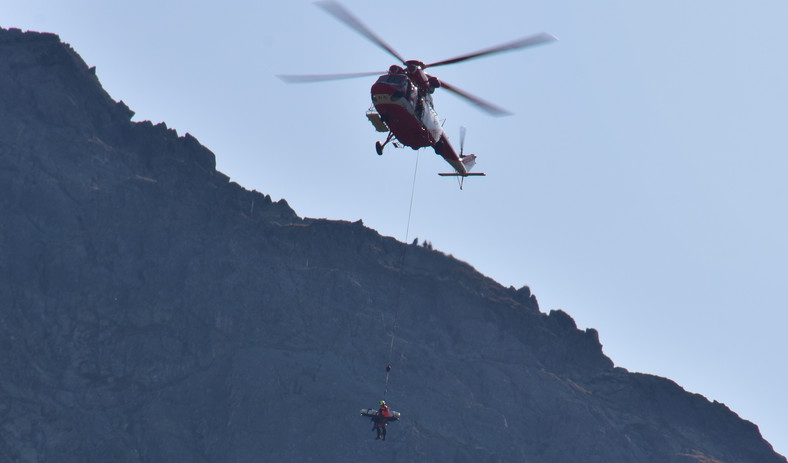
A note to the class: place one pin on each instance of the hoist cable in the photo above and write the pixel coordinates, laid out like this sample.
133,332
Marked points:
401,275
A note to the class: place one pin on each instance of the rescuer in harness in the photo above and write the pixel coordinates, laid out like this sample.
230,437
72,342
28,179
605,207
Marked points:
381,418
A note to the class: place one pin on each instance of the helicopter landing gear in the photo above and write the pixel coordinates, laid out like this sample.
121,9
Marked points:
379,146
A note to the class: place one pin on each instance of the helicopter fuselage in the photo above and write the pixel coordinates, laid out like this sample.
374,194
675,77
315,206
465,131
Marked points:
409,114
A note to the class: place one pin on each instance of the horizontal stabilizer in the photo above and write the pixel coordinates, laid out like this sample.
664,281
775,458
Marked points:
457,174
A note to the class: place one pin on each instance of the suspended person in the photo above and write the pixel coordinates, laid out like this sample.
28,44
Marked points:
381,419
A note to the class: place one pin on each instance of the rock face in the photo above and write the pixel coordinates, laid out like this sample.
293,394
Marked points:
152,310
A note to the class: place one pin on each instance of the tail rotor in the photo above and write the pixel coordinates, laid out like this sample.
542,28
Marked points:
469,160
462,140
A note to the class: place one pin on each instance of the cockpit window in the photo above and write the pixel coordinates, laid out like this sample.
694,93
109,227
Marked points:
395,79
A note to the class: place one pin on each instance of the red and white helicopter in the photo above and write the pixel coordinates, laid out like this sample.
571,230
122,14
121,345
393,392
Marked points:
402,97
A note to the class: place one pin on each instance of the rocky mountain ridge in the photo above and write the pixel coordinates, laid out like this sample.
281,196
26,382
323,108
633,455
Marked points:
153,310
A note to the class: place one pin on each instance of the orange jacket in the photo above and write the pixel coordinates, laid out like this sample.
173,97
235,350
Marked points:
382,417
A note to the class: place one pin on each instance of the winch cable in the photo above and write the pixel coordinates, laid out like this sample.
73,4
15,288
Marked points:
401,275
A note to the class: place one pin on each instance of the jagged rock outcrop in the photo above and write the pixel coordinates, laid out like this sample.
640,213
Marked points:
152,310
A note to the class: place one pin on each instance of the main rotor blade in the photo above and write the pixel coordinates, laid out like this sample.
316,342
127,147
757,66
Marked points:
481,104
342,14
525,42
307,78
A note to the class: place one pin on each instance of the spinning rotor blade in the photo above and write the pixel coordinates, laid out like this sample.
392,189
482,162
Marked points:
481,104
338,11
525,42
308,78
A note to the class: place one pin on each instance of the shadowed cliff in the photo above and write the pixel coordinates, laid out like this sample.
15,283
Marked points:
152,310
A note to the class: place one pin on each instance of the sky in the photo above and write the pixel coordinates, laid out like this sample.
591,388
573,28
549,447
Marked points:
639,184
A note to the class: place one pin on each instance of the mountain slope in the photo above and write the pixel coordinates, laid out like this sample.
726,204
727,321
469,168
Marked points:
155,311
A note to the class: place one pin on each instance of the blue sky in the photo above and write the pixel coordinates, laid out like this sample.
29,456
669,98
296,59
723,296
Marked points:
639,185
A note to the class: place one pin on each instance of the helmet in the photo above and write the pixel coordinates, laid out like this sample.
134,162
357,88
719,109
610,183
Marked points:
382,402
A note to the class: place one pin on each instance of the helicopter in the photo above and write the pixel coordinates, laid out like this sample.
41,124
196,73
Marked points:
402,103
